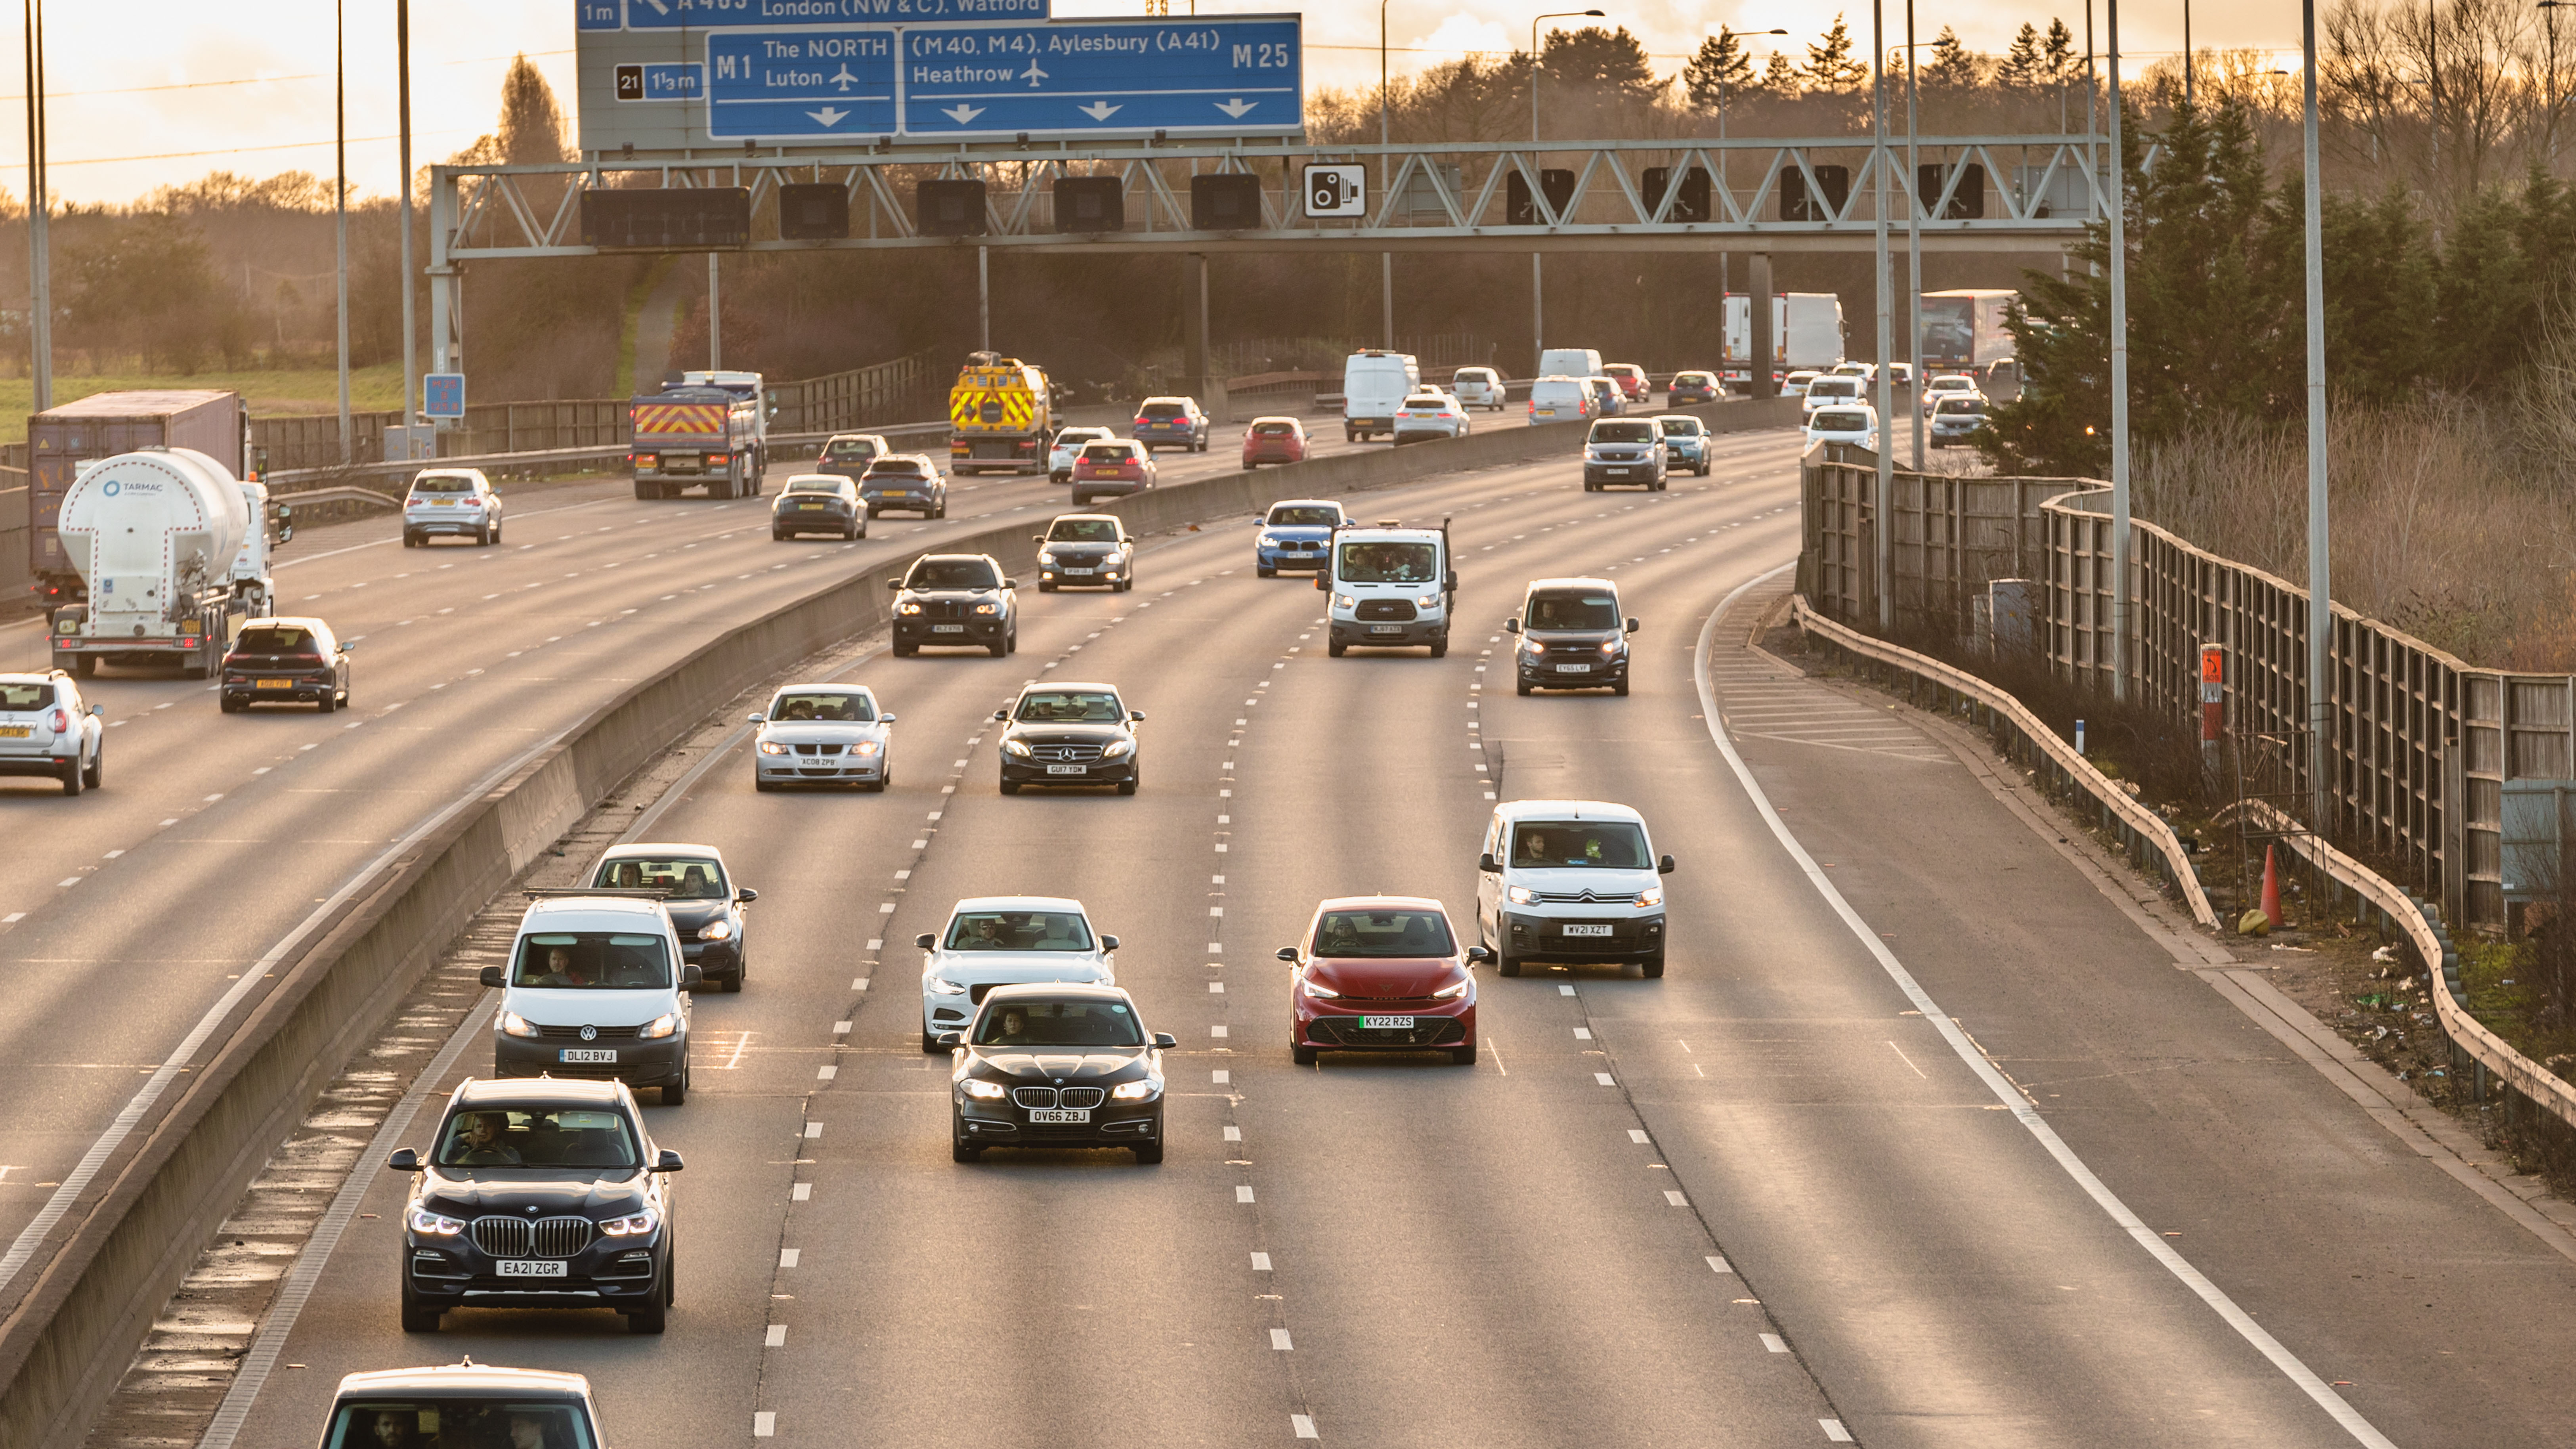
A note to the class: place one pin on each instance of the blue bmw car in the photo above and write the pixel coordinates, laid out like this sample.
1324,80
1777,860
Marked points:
1297,533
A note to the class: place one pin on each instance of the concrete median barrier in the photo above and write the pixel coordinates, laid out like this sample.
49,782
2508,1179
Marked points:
116,1257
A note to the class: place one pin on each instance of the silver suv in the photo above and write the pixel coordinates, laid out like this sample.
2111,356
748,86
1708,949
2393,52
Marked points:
47,729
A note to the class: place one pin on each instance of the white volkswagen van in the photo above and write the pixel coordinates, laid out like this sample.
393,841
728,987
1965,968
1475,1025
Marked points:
596,987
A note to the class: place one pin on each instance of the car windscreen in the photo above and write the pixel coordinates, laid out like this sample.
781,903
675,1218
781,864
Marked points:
1957,407
1274,430
1018,931
1083,530
1680,427
1163,410
1838,422
1555,389
1607,844
593,961
1058,1024
1076,437
18,696
1834,387
1588,609
1069,706
684,877
1692,379
537,1136
449,484
394,1422
1389,563
952,573
1383,934
816,485
836,706
896,468
1623,432
1287,516
1426,400
1106,453
852,450
275,640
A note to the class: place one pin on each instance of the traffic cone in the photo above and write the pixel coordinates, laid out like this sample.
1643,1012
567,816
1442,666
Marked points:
2271,887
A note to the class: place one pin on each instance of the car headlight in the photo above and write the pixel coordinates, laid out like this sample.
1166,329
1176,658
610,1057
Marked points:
1520,895
1118,750
1428,601
513,1024
1135,1091
1651,896
1612,646
988,1091
908,609
988,608
660,1026
635,1226
1345,601
1452,992
865,747
1019,748
716,931
422,1220
942,986
1046,555
1321,993
1533,646
772,747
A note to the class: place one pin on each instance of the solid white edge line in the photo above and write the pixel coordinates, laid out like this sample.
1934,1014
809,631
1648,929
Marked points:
2023,1112
23,1250
279,1323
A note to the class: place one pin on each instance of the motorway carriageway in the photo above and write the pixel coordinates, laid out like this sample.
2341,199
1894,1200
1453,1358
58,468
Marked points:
1762,1201
132,916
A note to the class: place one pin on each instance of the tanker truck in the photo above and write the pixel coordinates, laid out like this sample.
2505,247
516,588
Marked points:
171,552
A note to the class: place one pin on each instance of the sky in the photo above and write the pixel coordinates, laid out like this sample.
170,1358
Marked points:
151,92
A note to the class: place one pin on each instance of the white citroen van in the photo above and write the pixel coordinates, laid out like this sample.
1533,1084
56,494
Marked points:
1572,881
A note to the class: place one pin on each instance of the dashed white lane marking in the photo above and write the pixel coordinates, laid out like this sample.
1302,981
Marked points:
1717,1264
787,1257
1217,1030
1675,1198
1243,1192
1562,989
1303,1425
776,1337
1637,1135
1605,1079
1834,1431
840,1028
1279,1339
813,1130
1221,1076
764,1425
1583,1033
803,1192
67,882
826,1074
1233,1134
1261,1262
1775,1343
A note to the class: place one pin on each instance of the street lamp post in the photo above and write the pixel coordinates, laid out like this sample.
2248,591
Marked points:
411,361
2119,376
1883,531
1385,260
2549,23
1538,196
340,205
1913,249
2320,572
40,262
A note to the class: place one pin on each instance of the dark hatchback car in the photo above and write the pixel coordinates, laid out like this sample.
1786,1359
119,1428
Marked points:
1081,550
286,661
704,903
848,455
956,598
538,1194
1070,734
1056,1066
1571,637
818,503
906,483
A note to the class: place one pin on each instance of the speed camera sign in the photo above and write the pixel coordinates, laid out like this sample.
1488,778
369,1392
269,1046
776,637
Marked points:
1337,190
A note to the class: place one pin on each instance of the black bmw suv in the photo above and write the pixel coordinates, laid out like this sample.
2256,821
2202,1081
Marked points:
1056,1065
544,1193
1070,734
956,598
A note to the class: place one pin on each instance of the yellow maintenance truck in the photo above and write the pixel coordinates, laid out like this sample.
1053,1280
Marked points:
1000,416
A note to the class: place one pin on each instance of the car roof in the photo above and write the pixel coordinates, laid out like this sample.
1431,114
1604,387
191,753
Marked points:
574,913
841,686
299,621
1362,903
475,474
1333,503
1567,810
1572,583
643,848
1085,429
835,479
1019,903
1089,517
35,677
1165,400
1068,684
1279,418
570,1091
956,558
1059,991
852,437
459,1380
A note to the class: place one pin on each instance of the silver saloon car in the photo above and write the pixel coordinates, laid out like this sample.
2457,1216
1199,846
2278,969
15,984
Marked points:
823,734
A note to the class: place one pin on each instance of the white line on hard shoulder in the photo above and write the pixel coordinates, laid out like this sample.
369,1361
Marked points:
2318,1391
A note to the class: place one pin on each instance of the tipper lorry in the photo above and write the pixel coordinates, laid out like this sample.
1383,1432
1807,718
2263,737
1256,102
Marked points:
696,435
1001,415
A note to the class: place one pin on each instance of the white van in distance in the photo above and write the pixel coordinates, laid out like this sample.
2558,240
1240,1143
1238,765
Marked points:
1569,362
1374,386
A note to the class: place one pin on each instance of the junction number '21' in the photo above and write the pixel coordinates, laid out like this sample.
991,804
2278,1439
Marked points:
1265,56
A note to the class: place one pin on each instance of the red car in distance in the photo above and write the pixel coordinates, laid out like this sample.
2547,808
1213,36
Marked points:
1382,973
1111,468
1630,377
1273,440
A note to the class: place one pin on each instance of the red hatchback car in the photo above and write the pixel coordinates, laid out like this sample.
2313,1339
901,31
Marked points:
1273,440
1630,377
1111,468
1382,973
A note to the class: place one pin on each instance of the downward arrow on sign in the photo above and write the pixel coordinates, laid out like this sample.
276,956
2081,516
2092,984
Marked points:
829,116
961,114
1235,108
1100,110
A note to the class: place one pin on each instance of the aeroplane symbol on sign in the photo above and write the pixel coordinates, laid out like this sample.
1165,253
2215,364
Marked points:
844,80
1033,75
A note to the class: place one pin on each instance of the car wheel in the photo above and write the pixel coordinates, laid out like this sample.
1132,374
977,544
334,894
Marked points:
942,510
1652,968
1336,648
643,490
1128,785
1045,588
652,1318
1301,1054
1440,648
1011,645
929,1043
1505,963
1619,686
416,1319
1522,686
1464,1056
959,1149
327,703
1080,498
1264,571
97,772
230,705
1150,1154
1010,787
906,651
411,541
733,983
73,778
676,1093
761,783
1000,646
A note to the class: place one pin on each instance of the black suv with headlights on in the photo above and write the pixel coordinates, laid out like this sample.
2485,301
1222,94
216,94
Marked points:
538,1194
1571,637
1070,734
1056,1065
706,905
956,598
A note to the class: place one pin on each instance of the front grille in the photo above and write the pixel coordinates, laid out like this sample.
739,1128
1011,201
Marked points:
1384,609
942,609
532,1237
1426,1031
818,749
976,992
598,1033
1081,1097
1587,897
1034,1096
1066,754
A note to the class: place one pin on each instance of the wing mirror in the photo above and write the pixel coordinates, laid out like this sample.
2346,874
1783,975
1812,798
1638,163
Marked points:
757,719
1477,955
885,719
926,940
896,585
1010,583
1288,954
404,1160
1136,716
746,896
690,978
951,1039
1487,865
1512,625
492,976
1165,1040
1632,626
1109,943
668,1161
1664,866
1037,538
347,645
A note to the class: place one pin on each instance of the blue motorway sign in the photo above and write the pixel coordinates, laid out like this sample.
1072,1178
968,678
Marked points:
442,395
789,84
747,14
1230,75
